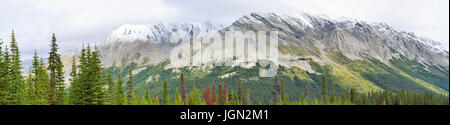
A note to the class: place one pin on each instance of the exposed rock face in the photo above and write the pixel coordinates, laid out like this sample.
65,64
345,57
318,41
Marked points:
320,35
139,52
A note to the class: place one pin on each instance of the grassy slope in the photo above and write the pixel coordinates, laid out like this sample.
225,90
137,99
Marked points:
402,73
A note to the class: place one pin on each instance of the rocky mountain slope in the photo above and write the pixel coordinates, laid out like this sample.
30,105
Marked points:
352,53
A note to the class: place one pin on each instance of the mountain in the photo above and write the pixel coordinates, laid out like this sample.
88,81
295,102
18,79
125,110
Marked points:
351,37
128,42
142,44
159,32
351,53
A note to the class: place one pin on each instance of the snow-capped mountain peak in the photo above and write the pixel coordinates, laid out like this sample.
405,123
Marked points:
429,43
317,21
159,32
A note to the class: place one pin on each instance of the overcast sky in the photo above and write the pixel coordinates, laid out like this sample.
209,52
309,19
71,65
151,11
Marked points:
90,21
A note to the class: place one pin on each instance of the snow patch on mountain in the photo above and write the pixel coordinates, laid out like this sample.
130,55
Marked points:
431,44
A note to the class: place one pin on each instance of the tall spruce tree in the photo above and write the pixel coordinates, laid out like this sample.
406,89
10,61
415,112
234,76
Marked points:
16,89
220,97
32,80
130,89
88,84
42,86
75,89
352,95
53,67
60,86
38,82
145,98
119,98
166,96
195,97
82,76
35,66
133,97
177,98
29,88
111,87
95,78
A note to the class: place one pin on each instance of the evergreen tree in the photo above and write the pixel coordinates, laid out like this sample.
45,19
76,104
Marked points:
75,89
324,91
195,97
30,88
95,78
16,89
303,98
111,87
38,82
343,95
386,99
352,95
78,89
53,67
240,94
333,93
130,88
156,100
119,98
42,86
4,74
166,96
133,98
143,100
220,97
60,86
283,97
178,100
32,79
86,94
88,83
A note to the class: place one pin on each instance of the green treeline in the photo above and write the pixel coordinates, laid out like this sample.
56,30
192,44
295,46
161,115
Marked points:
92,85
42,86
